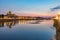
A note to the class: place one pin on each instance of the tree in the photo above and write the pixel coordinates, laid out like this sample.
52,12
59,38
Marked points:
2,16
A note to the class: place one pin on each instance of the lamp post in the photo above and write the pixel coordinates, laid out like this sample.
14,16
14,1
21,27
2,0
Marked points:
59,17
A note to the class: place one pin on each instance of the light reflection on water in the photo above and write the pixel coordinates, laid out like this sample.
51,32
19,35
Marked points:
27,30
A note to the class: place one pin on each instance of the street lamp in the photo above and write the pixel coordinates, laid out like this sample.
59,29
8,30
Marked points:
59,16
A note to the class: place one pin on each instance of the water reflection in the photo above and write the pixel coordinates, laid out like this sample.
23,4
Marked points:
23,29
8,24
1,24
13,23
57,26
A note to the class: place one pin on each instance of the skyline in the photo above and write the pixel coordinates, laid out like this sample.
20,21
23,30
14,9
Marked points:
29,7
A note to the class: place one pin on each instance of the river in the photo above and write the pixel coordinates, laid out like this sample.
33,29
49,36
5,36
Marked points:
27,30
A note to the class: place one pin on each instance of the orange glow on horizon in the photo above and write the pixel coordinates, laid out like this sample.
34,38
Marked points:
42,15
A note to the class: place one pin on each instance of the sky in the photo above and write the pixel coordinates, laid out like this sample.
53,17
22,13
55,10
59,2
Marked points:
29,7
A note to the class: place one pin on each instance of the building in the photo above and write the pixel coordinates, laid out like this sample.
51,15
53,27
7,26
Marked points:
9,15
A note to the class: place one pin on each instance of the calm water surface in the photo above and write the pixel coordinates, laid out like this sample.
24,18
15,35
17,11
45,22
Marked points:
27,30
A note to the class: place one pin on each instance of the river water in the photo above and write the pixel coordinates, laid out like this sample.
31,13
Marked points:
27,30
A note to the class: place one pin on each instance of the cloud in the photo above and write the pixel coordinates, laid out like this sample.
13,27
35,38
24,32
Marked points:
55,8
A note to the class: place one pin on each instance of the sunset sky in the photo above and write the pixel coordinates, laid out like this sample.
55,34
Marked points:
29,7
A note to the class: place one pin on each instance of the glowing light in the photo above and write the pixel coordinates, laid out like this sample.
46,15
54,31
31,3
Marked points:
59,13
56,17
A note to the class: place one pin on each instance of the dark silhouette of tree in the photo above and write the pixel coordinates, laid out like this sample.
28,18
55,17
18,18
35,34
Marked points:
2,16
